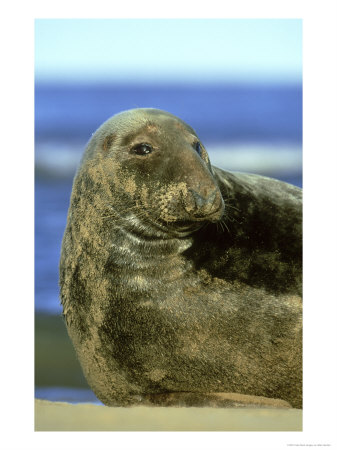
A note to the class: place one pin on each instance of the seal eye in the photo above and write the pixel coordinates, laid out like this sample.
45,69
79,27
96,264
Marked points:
197,147
142,149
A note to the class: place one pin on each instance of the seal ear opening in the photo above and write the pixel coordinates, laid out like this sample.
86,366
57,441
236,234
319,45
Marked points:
108,141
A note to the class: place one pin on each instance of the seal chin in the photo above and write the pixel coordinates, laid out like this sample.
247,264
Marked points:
182,225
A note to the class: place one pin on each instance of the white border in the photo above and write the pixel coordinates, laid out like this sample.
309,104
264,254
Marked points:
320,191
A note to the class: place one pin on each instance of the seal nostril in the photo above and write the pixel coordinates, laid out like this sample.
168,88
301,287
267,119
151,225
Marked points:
203,202
200,201
211,198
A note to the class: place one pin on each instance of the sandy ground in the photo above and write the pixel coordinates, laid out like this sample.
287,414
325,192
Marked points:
60,416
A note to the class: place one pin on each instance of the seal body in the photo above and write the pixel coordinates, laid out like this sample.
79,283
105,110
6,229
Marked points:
180,280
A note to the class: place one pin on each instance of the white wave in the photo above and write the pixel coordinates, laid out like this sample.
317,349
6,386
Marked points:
57,159
267,160
61,160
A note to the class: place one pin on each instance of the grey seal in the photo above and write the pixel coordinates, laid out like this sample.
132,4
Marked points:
180,282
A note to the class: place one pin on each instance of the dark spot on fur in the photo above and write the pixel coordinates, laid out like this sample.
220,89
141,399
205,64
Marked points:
108,141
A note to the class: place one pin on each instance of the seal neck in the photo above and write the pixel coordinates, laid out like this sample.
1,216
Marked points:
149,238
137,245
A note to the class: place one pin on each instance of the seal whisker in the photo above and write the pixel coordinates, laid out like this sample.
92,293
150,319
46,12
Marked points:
228,205
223,223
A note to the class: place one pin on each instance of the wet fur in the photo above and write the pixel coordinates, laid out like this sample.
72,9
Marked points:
167,303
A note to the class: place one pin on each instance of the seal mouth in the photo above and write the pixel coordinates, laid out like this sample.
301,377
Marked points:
214,216
183,221
193,223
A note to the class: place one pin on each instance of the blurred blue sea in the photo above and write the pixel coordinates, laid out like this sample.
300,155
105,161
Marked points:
247,128
66,394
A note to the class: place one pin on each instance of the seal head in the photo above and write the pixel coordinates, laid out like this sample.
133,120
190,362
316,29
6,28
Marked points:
157,166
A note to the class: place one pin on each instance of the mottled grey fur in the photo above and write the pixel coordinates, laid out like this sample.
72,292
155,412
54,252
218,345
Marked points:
181,282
